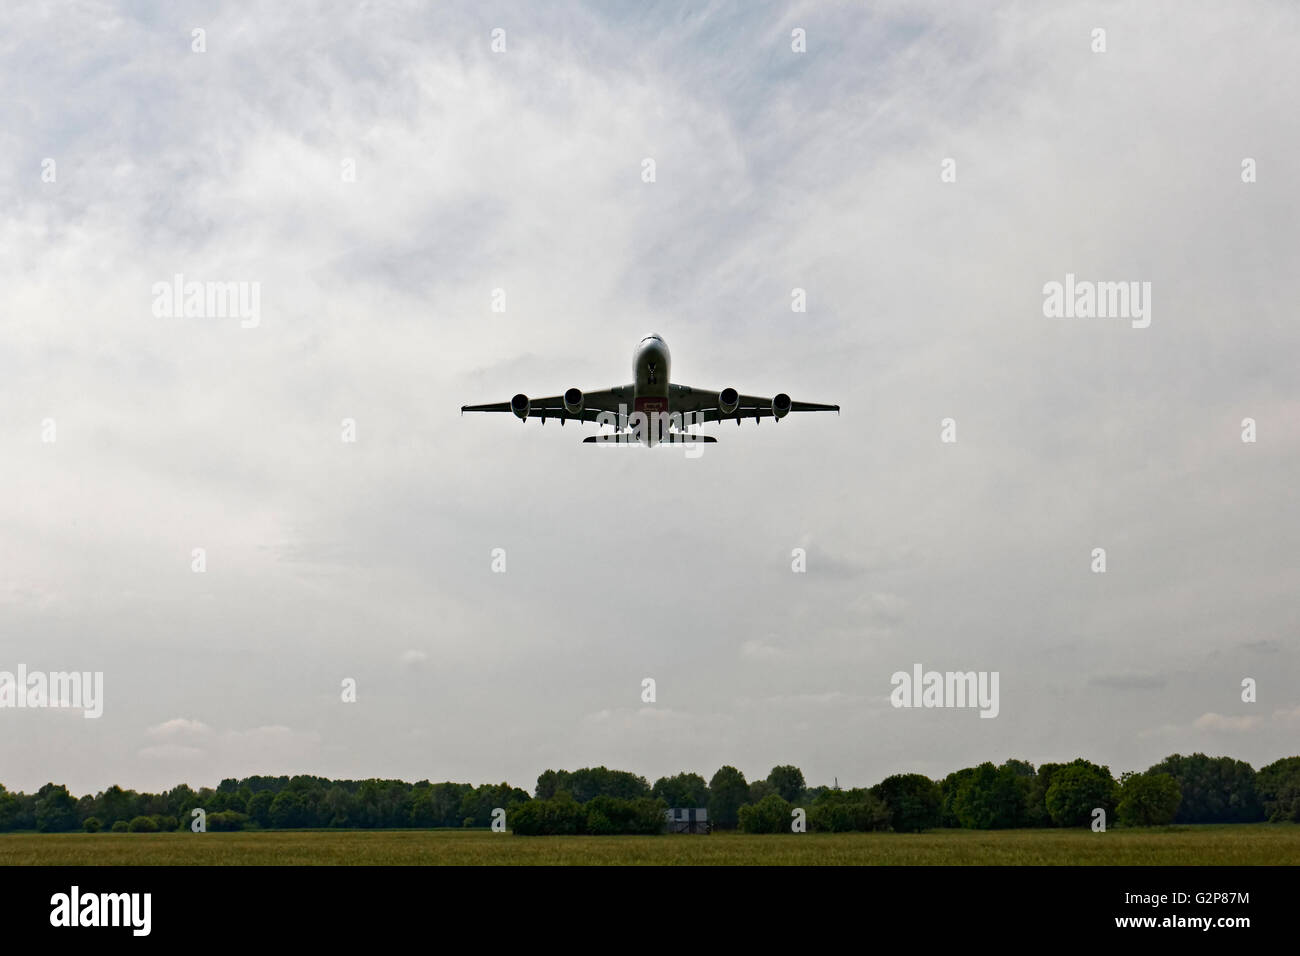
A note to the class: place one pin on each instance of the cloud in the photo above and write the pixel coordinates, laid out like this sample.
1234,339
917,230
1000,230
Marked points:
413,658
829,698
178,727
522,171
1276,724
1234,723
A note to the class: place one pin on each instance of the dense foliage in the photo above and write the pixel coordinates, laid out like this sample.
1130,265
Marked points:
913,801
597,800
599,816
1278,786
772,814
1214,789
839,811
1148,800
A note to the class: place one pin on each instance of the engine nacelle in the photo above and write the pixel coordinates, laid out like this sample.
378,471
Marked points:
520,406
780,406
573,401
728,400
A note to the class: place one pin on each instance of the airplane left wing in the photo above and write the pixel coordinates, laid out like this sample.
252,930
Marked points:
714,406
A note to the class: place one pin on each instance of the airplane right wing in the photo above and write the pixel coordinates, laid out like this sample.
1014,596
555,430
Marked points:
588,405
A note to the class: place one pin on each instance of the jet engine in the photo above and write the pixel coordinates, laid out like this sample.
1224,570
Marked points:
728,400
519,405
573,401
780,406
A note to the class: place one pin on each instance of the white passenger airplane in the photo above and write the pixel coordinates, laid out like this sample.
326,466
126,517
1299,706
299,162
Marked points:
652,407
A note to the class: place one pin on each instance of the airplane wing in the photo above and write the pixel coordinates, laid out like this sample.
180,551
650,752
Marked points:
593,404
709,405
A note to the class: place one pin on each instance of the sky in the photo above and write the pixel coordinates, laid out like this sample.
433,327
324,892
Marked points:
921,171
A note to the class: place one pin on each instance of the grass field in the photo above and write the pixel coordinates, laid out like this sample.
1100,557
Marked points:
1173,846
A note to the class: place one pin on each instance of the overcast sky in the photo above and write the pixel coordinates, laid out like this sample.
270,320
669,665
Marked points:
522,171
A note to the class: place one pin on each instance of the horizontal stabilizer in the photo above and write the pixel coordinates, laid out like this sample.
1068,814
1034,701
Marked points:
629,438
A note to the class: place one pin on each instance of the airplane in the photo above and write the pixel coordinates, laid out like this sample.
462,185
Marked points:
661,411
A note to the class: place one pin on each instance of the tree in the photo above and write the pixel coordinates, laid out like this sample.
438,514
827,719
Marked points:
117,804
639,815
259,807
759,789
447,798
1036,814
728,791
913,801
528,820
948,790
1027,779
990,798
559,815
379,803
56,811
181,800
1077,789
682,790
479,802
788,781
1214,789
91,825
1278,787
772,814
422,812
337,807
840,811
591,782
287,810
548,784
1148,800
8,809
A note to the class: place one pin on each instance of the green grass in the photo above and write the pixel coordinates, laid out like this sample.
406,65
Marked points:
1193,845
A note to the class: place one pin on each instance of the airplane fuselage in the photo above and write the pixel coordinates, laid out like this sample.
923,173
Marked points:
650,367
651,364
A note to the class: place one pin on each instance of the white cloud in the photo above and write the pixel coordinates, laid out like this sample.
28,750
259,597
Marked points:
1234,723
180,726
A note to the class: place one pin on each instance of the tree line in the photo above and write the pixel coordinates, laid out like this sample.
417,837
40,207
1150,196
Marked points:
1179,789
